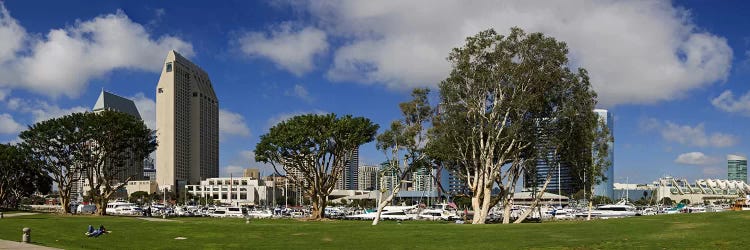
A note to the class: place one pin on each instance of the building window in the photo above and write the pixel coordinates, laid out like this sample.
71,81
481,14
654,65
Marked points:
169,67
195,94
161,90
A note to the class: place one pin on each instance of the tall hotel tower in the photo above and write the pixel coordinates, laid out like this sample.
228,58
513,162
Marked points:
187,125
607,187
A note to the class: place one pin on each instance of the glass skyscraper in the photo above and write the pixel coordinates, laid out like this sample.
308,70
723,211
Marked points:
606,187
737,168
563,179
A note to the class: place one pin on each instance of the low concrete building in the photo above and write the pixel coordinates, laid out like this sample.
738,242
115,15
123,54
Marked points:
235,191
700,191
148,186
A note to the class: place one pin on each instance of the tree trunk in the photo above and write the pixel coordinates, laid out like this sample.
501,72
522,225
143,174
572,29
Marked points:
101,206
318,206
384,203
535,203
481,204
507,205
65,201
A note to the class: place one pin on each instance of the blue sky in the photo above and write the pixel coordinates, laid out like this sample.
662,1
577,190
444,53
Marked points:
674,74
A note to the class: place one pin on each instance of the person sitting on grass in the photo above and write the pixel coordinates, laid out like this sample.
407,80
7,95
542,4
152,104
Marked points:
96,233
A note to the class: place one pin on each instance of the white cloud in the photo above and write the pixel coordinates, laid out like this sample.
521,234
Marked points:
12,35
689,135
245,159
63,61
232,124
9,126
696,136
236,171
290,49
285,116
635,51
728,103
42,110
3,94
714,172
696,158
300,92
147,108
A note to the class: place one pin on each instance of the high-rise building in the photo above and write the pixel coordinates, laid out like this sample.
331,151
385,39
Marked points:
737,168
390,177
452,182
149,170
134,167
367,178
108,101
562,179
187,124
422,179
606,187
348,179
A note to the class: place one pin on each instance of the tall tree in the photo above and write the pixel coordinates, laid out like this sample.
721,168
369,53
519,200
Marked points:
573,137
116,142
312,150
403,144
19,176
502,94
54,145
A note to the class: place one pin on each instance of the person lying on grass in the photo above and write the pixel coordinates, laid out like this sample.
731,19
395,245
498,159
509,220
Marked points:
96,233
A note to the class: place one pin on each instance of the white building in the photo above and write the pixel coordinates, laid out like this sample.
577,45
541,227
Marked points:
368,178
235,191
678,189
187,124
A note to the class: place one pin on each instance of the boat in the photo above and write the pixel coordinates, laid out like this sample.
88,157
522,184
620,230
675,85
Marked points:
618,210
259,214
121,208
741,204
442,211
389,213
646,211
562,213
224,212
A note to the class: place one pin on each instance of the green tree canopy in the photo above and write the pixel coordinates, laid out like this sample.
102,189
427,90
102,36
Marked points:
20,176
509,103
312,149
55,145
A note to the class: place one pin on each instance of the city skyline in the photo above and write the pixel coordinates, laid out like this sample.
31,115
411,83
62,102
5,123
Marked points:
675,76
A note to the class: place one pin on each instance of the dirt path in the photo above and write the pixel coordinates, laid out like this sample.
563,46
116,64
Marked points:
18,214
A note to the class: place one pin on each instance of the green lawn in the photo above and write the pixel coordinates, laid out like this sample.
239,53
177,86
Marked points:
727,230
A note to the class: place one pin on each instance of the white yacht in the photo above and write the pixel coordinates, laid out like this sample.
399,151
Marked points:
223,212
442,211
389,213
562,213
260,214
621,209
120,208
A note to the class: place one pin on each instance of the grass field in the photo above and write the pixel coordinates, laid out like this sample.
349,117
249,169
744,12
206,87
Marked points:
727,230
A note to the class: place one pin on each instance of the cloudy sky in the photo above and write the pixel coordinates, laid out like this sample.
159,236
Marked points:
674,74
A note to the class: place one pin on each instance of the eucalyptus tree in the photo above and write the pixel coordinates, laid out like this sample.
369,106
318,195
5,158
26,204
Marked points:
312,150
54,144
501,95
20,176
404,146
